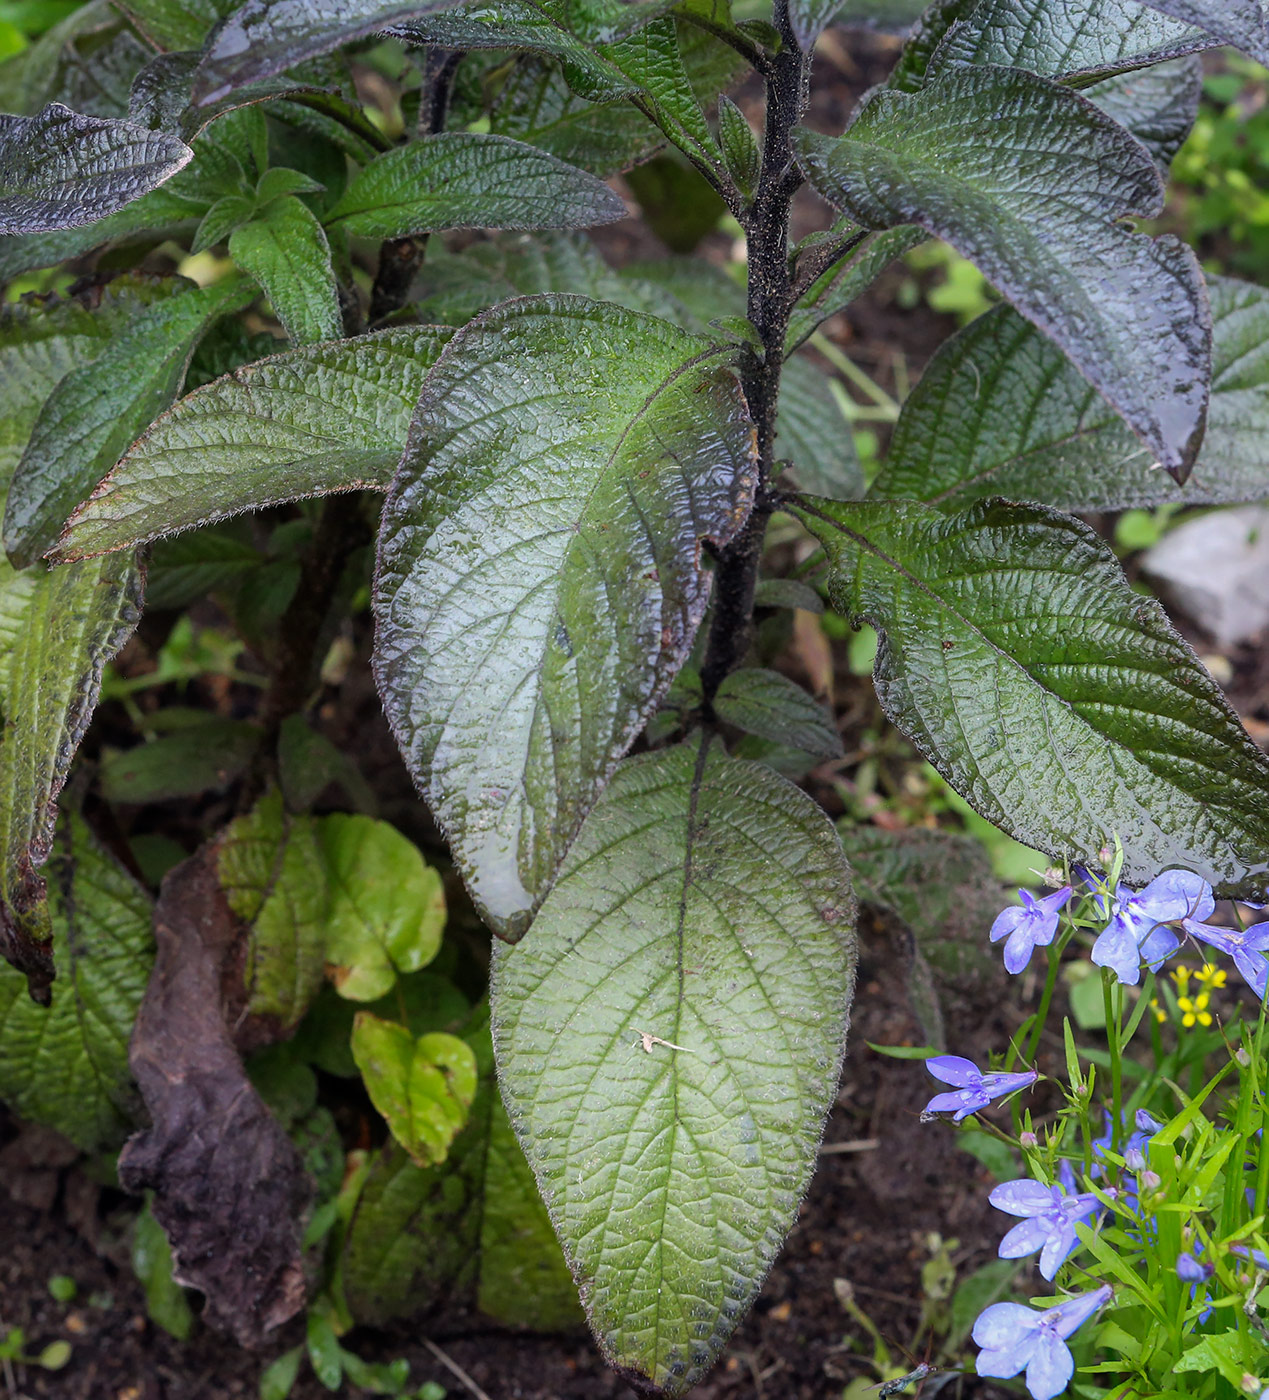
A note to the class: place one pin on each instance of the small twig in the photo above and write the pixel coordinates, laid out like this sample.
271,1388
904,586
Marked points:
450,1364
648,1041
858,1145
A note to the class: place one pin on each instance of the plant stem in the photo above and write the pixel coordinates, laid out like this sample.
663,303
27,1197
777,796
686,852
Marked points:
770,301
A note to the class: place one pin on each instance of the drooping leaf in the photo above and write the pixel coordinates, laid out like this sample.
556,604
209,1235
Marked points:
458,179
96,411
539,575
1001,412
774,707
322,418
1242,23
1072,39
676,1023
844,281
1128,310
1064,733
423,1087
387,909
286,252
67,1064
271,869
813,435
264,37
1158,104
59,169
473,1228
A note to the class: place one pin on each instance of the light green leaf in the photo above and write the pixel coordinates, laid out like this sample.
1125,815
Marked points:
1001,412
461,180
1059,702
272,872
739,146
1128,310
472,1229
230,212
96,411
422,1087
59,169
66,1065
772,706
176,24
539,579
706,906
387,910
287,254
165,1301
309,421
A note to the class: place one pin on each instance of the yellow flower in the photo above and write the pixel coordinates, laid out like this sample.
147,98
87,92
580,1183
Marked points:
1211,976
1181,976
1159,1013
1195,1011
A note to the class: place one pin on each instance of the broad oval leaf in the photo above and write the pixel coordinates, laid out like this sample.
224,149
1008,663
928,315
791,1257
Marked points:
97,410
539,577
286,252
1242,23
59,169
1061,704
1000,411
458,179
1128,310
263,37
66,1065
322,418
669,1039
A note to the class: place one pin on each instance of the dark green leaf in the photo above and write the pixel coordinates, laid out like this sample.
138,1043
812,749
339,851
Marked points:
1129,311
1242,23
787,593
67,1065
203,757
809,18
1059,702
96,411
814,436
264,37
774,707
740,147
85,62
539,579
59,169
1158,105
1067,38
286,252
461,180
669,1040
473,1228
1001,412
228,213
844,281
176,24
319,419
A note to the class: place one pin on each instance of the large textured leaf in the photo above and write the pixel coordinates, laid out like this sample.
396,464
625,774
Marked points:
322,418
286,252
96,411
1129,311
1000,411
706,904
1067,38
473,1227
461,180
1158,105
67,1064
539,574
59,169
263,37
1242,23
1059,702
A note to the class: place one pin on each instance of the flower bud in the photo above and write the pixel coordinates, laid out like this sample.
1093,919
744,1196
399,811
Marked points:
1028,1140
1151,1180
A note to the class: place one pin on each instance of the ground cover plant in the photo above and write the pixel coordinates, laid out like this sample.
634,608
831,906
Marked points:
581,507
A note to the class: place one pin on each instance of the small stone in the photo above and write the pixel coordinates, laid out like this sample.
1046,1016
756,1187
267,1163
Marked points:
1215,569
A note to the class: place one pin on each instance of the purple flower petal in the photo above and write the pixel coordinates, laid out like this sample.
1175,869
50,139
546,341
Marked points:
1027,1237
1176,894
954,1069
1004,1325
1060,1243
1068,1317
1117,949
963,1102
997,1084
1189,1269
1007,921
1050,1368
1023,1197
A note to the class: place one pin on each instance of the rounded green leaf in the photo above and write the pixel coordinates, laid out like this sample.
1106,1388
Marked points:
669,1038
540,579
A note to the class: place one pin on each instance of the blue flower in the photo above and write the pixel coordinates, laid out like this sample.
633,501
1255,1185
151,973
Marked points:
1246,946
1137,930
1049,1216
1014,1338
976,1089
1190,1269
1028,925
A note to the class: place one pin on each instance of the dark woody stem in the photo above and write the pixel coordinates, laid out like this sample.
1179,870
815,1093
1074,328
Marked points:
766,223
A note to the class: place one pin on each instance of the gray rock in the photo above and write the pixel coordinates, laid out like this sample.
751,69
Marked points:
1215,569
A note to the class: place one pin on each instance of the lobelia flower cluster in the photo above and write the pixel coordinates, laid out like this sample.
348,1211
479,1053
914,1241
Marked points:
1141,928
